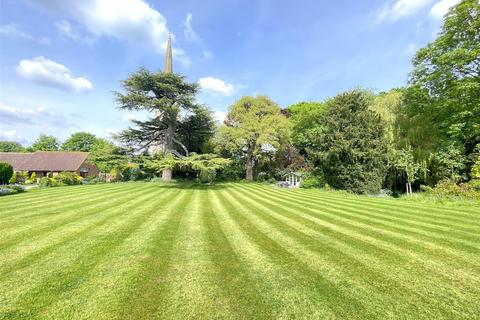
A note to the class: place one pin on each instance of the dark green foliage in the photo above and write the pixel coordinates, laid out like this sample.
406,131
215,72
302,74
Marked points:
233,171
107,156
352,148
196,129
165,95
203,166
11,146
80,141
45,143
6,172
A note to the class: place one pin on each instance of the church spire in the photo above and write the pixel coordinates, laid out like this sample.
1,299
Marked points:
168,56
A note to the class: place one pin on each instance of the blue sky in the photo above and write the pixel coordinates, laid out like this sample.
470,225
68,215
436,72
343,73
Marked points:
61,61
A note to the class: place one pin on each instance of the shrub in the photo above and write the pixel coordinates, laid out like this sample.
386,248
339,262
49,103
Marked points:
68,178
13,179
448,188
233,171
49,182
32,179
22,176
11,189
313,180
17,188
6,171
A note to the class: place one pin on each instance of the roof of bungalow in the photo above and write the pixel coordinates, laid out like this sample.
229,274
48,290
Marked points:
45,160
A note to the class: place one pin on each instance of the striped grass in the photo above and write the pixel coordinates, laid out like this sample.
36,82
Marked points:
234,251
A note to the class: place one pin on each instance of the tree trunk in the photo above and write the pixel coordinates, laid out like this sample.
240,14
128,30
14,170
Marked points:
167,174
249,166
168,149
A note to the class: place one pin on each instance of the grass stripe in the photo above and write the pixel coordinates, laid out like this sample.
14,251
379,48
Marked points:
147,287
46,198
394,208
320,290
33,231
72,275
307,241
464,270
23,256
110,273
470,238
55,203
239,292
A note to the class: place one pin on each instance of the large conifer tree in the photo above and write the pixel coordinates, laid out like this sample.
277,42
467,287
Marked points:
164,95
352,148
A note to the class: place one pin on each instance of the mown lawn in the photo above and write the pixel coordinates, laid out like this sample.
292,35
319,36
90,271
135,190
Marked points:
232,251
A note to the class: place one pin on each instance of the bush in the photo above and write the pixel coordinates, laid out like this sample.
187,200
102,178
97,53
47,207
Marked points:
22,176
313,179
4,191
233,171
11,189
13,179
17,188
6,172
68,178
448,188
49,182
32,179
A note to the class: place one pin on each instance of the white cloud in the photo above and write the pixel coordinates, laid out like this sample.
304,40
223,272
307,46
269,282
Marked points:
131,20
66,29
217,86
11,135
14,31
400,8
440,9
19,116
219,116
188,32
51,73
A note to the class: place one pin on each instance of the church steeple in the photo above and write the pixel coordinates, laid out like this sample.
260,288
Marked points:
168,56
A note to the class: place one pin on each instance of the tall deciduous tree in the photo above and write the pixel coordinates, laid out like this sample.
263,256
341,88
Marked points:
445,82
352,148
165,95
45,143
254,130
80,141
306,123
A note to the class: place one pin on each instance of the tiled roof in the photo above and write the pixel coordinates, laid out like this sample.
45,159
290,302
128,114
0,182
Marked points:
45,160
17,160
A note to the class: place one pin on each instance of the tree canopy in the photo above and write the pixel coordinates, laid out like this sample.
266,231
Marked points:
165,95
80,141
445,82
45,143
11,146
255,130
351,148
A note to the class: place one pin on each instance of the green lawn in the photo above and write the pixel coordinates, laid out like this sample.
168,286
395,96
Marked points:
144,250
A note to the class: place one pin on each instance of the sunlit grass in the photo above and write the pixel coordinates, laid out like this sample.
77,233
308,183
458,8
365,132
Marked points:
146,251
